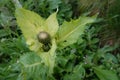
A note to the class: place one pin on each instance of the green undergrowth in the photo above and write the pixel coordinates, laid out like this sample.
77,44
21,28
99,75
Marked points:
79,61
83,61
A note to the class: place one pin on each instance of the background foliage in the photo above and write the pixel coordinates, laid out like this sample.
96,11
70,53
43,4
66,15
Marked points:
97,56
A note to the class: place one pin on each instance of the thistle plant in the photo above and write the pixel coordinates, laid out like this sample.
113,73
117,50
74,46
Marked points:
44,36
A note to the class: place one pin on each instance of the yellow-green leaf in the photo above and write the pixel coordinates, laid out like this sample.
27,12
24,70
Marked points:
69,32
30,23
51,24
105,74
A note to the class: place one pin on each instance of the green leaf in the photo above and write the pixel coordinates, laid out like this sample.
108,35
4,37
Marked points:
54,4
105,74
69,32
4,33
3,2
33,68
51,24
78,73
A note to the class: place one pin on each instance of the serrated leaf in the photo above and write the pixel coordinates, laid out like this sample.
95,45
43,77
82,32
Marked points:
105,74
77,74
69,32
33,67
30,59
